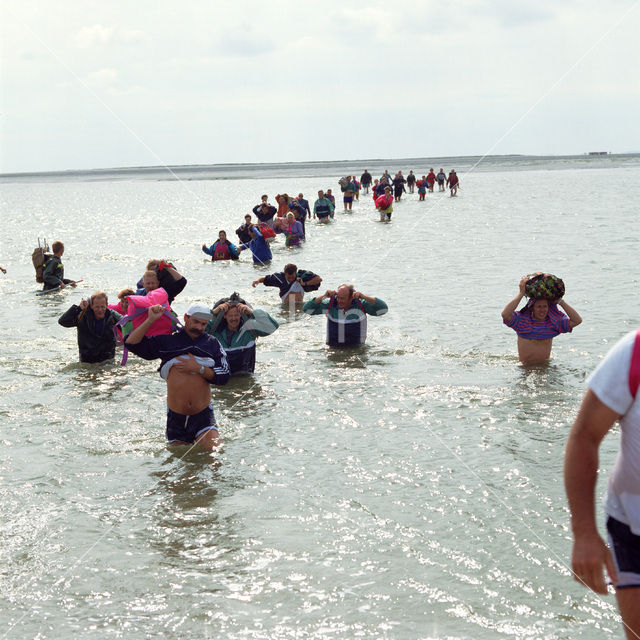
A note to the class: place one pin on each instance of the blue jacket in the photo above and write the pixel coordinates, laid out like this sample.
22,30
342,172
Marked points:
259,248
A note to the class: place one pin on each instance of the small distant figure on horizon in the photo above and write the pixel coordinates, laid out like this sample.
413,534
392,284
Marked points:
411,181
365,181
422,188
431,179
453,183
323,208
398,186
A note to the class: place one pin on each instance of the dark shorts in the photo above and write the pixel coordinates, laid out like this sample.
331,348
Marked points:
348,199
188,428
625,547
323,216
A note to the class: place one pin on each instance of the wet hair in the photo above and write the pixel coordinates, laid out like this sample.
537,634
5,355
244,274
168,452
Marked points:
264,196
351,288
57,246
98,294
290,268
126,292
222,231
152,264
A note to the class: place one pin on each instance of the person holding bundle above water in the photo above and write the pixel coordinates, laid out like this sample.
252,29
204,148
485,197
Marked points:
540,320
384,204
236,325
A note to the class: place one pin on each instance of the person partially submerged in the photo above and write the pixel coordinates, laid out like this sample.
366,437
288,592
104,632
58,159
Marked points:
537,323
191,361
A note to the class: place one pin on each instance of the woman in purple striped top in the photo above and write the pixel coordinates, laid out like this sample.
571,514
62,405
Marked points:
537,324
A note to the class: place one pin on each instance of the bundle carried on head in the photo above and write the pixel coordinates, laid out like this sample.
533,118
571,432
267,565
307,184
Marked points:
343,182
544,286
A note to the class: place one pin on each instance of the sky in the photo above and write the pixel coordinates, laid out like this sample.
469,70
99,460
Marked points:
87,84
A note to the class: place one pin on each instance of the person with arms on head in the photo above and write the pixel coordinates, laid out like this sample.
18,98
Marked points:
53,274
612,396
453,183
441,178
292,282
283,204
323,207
365,181
163,274
384,204
95,323
258,246
411,181
264,212
236,325
191,361
243,230
221,249
537,323
346,310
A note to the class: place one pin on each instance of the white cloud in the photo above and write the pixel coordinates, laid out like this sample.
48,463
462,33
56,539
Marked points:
95,35
103,77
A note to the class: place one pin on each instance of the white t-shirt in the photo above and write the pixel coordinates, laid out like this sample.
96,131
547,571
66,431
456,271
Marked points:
610,383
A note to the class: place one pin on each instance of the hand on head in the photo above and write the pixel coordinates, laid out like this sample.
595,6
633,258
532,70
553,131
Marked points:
523,284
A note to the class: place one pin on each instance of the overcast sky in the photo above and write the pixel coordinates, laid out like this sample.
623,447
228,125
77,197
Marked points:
112,83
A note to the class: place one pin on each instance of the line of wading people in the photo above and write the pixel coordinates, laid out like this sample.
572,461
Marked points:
211,343
290,216
214,343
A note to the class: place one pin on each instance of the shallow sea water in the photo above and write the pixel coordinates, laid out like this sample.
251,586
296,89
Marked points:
411,488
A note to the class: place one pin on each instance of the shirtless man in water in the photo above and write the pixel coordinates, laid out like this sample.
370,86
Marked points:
191,361
537,324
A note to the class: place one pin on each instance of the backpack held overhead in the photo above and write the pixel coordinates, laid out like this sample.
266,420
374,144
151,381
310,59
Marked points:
39,258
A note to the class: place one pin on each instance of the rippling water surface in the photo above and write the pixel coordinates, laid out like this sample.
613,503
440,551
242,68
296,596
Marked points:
411,488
